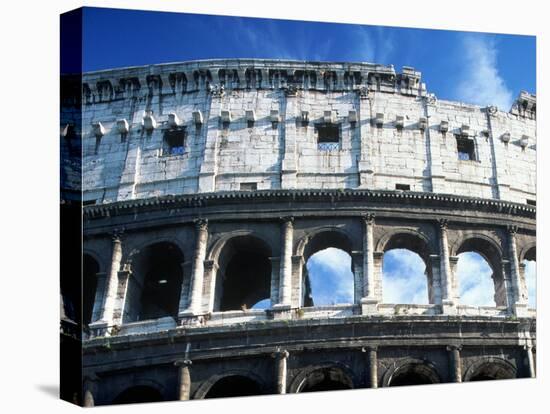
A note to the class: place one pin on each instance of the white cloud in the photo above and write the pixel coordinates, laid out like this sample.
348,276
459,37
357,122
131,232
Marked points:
374,45
531,280
481,83
476,285
403,278
331,277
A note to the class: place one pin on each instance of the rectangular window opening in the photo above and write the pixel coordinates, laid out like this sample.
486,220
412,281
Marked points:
465,148
174,141
531,202
328,137
403,187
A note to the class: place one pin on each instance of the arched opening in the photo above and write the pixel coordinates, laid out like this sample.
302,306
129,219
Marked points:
476,283
327,275
479,274
90,268
413,374
326,379
155,286
244,276
406,271
234,386
530,275
492,371
138,394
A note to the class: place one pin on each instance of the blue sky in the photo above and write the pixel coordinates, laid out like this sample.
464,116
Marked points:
471,67
404,279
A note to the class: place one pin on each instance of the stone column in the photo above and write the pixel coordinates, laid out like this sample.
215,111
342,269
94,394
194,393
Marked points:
519,303
89,389
372,360
275,274
285,275
281,369
368,301
184,379
197,276
446,274
110,292
99,296
455,362
530,360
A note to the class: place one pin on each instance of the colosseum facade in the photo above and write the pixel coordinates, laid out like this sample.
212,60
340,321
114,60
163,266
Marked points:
208,185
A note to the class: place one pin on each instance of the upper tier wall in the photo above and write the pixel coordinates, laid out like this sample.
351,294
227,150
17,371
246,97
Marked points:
254,122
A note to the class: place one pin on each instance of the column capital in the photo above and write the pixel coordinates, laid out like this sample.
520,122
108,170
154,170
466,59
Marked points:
370,348
201,223
280,354
512,229
368,218
443,224
209,265
286,220
183,363
453,347
117,234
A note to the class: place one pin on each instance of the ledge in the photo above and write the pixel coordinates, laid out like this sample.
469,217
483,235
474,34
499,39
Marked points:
308,195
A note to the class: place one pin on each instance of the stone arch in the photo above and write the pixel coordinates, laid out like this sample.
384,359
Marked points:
494,241
203,390
97,257
411,371
129,254
314,242
142,390
156,281
491,251
330,375
490,368
413,241
245,270
409,237
528,252
217,245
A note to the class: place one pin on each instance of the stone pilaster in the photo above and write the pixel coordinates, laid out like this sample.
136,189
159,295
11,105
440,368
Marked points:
372,362
369,301
434,138
209,167
184,379
445,272
519,297
365,167
281,369
101,278
285,272
106,313
289,167
455,362
275,274
197,275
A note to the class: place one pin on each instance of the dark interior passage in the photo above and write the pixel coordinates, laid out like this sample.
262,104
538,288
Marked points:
89,281
234,386
139,394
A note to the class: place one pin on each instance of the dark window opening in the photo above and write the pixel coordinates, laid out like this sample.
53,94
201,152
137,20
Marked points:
531,202
88,202
328,137
465,148
174,141
414,374
248,186
403,187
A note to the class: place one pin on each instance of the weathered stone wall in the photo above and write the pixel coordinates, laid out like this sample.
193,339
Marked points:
258,126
